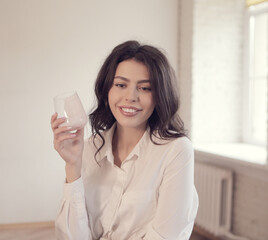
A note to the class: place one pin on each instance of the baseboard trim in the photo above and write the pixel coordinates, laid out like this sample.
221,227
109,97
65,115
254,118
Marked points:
27,225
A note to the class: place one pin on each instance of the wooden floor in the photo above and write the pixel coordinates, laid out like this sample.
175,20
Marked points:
42,233
46,233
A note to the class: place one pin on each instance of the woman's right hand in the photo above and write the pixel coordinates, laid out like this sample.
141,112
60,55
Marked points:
69,146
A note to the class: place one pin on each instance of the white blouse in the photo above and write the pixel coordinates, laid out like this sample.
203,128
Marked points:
150,197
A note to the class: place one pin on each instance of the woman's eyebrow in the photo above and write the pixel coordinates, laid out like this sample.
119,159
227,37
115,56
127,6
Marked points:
122,78
127,80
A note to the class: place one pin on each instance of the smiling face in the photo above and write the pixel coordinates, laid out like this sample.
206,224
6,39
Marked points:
130,97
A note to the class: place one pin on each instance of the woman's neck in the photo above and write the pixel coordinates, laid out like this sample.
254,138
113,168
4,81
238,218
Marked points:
124,140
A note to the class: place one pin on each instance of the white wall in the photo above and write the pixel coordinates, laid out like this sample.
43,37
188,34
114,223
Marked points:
49,47
185,61
217,69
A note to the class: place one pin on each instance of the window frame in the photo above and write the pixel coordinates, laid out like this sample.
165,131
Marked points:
247,123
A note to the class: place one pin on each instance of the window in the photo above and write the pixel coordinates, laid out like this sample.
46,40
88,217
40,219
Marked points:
227,120
256,74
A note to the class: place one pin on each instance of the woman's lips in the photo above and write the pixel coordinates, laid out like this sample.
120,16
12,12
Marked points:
129,111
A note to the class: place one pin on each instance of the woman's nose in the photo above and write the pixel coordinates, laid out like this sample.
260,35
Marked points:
132,95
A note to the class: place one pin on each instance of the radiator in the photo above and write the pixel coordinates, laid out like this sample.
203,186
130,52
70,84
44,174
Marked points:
214,186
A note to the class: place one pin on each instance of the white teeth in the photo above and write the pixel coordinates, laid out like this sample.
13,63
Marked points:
129,110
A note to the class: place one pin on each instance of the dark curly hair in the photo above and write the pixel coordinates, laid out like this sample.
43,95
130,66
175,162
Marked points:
164,120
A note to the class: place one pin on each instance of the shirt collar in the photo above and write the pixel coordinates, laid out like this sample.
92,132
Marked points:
106,151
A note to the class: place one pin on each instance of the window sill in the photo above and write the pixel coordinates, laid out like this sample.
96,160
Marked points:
239,151
244,158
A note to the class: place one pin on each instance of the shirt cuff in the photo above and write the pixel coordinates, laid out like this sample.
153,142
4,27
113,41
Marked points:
74,191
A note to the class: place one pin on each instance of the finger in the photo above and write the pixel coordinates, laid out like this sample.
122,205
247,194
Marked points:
80,131
64,137
54,117
60,130
57,122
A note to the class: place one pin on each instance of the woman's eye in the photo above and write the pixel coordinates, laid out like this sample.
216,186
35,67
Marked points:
145,88
119,85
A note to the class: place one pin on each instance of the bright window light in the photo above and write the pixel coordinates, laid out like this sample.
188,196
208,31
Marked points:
257,75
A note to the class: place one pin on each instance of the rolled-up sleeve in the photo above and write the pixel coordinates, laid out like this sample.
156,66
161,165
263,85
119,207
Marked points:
177,202
72,220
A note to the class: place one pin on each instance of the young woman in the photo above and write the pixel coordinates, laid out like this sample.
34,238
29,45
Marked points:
133,179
